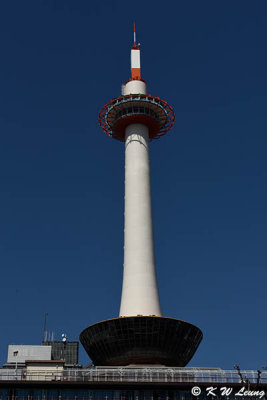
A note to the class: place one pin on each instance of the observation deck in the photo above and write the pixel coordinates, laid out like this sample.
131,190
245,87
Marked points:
145,109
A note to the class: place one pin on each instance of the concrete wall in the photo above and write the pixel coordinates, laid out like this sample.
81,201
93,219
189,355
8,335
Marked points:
21,353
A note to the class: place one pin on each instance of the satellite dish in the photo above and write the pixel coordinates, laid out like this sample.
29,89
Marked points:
64,337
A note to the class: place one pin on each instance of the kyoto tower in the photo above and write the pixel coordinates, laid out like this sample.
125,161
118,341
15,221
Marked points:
141,335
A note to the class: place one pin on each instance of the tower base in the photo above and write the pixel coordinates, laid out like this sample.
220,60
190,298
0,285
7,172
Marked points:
141,340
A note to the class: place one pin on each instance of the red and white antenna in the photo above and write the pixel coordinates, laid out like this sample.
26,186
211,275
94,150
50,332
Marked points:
135,59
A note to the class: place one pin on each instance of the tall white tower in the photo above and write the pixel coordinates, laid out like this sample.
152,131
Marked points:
140,291
140,334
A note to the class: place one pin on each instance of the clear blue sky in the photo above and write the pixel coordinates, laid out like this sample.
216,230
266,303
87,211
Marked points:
61,202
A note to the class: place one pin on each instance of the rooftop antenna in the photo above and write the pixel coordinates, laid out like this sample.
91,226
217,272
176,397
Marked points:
64,340
45,331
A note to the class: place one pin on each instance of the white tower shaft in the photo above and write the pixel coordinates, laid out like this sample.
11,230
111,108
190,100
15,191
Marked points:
140,291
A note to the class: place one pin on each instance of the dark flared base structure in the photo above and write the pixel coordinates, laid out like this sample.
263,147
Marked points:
141,340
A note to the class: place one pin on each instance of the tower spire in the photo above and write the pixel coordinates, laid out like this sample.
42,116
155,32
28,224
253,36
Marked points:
134,35
135,59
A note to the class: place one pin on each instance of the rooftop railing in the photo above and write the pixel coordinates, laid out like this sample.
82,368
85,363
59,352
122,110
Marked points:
134,375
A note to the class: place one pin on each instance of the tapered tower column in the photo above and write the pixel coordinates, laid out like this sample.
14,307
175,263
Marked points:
139,291
140,335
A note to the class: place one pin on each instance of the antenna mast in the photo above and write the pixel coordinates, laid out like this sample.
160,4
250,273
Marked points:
134,35
45,331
